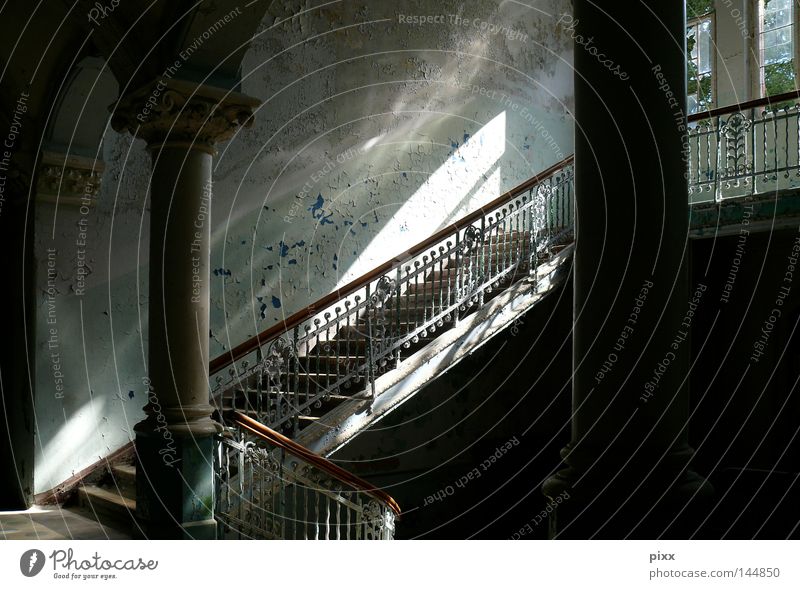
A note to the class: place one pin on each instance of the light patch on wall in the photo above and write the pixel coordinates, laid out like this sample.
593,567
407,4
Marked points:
463,181
77,430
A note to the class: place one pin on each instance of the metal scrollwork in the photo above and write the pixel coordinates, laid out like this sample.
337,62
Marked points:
735,130
472,237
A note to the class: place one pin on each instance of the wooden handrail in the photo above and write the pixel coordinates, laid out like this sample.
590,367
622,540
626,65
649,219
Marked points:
293,321
724,110
280,441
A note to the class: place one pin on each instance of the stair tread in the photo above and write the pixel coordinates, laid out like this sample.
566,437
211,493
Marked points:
128,470
94,493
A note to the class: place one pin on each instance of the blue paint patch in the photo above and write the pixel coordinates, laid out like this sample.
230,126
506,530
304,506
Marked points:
221,272
466,137
326,220
263,282
317,206
292,262
364,223
263,311
270,267
405,175
268,248
244,241
283,249
346,223
300,243
276,302
130,394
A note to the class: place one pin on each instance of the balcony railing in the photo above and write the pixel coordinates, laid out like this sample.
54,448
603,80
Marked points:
745,149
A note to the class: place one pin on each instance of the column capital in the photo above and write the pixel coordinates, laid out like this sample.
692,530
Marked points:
177,112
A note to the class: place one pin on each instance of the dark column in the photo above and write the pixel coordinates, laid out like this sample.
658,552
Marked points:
181,122
627,460
18,300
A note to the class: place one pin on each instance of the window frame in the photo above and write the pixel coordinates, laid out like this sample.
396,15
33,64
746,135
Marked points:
711,15
759,90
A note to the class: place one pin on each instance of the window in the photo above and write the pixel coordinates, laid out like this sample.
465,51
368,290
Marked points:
700,55
776,46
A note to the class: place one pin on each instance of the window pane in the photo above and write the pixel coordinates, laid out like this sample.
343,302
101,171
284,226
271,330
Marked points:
779,78
777,46
778,53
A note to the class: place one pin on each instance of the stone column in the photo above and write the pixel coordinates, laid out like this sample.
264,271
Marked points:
627,463
181,122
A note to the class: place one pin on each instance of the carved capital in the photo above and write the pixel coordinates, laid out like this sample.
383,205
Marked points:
69,179
169,112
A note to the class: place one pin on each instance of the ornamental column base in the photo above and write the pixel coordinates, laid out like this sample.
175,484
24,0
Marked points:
175,479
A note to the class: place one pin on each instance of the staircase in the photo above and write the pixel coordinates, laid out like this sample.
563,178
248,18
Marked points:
341,357
111,498
300,390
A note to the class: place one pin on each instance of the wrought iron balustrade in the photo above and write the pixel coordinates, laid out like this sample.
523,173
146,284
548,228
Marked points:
745,149
269,488
335,351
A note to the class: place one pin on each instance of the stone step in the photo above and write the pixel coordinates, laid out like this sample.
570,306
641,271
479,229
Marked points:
125,477
107,503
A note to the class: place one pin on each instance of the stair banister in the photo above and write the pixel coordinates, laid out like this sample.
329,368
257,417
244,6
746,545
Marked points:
226,359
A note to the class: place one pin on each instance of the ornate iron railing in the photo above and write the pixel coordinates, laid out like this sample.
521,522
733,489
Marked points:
746,149
268,487
336,350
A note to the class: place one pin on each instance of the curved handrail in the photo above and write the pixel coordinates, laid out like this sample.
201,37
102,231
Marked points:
724,110
280,441
238,352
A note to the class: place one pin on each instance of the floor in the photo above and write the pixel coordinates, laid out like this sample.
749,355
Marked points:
54,523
